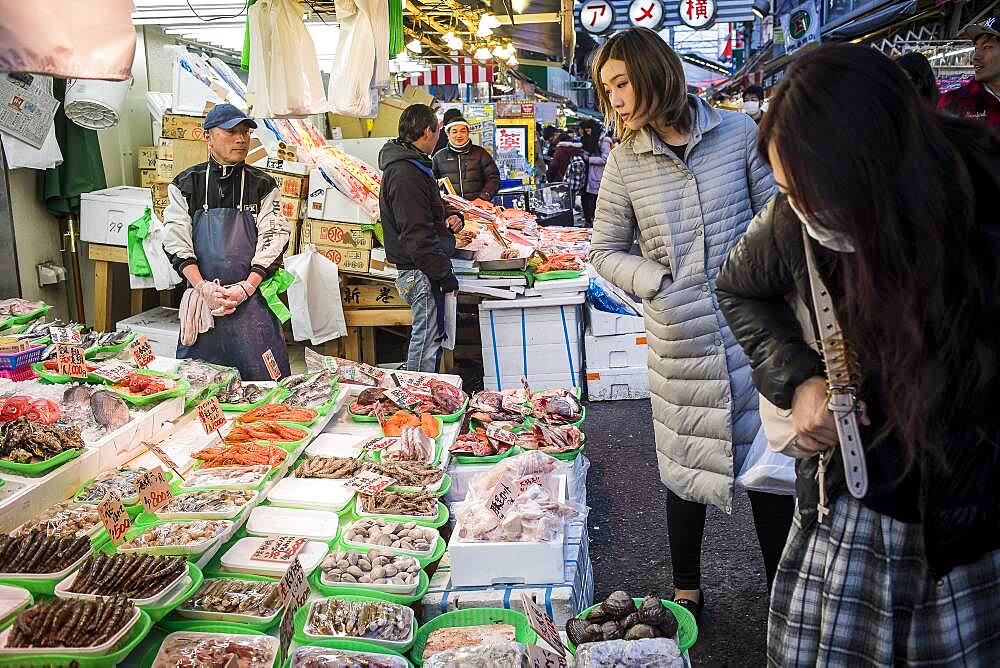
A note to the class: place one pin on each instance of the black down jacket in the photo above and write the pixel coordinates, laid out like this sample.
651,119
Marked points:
473,172
957,500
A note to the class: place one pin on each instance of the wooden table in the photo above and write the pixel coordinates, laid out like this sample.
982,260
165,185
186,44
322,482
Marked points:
104,256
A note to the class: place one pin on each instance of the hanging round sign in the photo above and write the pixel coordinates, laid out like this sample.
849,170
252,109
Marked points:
698,14
597,16
646,14
799,24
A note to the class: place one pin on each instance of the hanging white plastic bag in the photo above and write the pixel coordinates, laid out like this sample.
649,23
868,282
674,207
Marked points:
354,63
314,298
284,80
764,470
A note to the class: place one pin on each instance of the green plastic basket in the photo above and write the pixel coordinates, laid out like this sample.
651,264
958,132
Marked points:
316,582
287,446
43,466
354,646
578,424
54,660
91,353
687,627
523,632
182,388
376,455
323,409
110,548
440,491
56,378
568,456
204,627
243,408
448,419
560,274
439,549
332,641
439,521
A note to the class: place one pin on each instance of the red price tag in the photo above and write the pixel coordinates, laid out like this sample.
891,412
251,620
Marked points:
500,434
501,499
543,624
114,370
374,372
70,335
296,592
141,351
542,658
154,490
210,414
368,482
113,516
280,549
510,403
70,361
272,365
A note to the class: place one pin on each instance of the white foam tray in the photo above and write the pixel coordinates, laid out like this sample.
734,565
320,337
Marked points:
337,445
363,547
179,584
103,648
47,576
193,481
181,550
400,645
278,521
409,518
12,600
168,641
237,559
311,493
230,513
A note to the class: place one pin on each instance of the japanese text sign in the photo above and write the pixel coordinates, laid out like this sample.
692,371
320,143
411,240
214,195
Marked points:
70,361
272,365
542,658
210,414
114,370
141,351
543,624
501,500
69,335
154,490
280,549
113,517
296,592
368,482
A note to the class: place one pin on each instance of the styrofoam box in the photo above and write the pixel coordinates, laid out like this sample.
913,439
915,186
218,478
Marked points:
106,214
327,203
39,493
161,326
124,443
621,351
538,337
610,324
617,384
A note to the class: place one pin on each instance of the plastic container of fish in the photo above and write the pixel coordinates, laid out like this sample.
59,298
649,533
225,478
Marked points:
243,408
12,601
318,525
217,478
439,488
238,559
433,459
83,651
304,636
43,466
91,353
304,656
182,550
256,622
56,378
179,584
388,588
228,513
311,494
437,546
338,445
82,497
181,388
523,633
436,520
25,317
229,633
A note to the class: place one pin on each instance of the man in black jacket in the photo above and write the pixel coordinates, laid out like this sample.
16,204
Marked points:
419,232
471,169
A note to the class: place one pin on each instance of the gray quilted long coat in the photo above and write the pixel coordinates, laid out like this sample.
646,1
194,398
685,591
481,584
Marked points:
687,216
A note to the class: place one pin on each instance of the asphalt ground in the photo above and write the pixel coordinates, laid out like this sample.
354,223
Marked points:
630,550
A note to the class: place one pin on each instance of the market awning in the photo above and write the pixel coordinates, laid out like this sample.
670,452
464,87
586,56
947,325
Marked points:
869,23
541,27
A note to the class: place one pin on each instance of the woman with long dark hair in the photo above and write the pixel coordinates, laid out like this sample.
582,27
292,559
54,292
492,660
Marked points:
899,207
685,182
597,146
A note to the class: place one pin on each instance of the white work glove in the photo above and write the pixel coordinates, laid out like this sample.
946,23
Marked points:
214,296
237,293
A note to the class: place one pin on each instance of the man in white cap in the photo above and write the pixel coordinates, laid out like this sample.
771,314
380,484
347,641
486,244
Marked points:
980,97
471,169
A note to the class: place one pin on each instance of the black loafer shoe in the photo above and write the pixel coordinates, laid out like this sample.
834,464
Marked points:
694,607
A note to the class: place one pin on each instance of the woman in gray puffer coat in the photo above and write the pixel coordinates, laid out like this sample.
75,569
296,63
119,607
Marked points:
685,181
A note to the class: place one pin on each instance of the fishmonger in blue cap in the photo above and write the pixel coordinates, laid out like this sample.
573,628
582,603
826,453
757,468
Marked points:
225,233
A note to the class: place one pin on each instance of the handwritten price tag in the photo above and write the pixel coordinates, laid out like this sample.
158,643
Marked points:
70,361
368,482
400,397
210,414
162,455
113,516
500,434
280,549
272,364
542,658
501,500
381,443
543,625
69,335
114,370
141,351
511,404
293,584
372,371
154,490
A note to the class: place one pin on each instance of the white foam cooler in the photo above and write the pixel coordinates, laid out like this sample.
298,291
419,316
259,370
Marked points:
538,338
161,326
603,323
617,384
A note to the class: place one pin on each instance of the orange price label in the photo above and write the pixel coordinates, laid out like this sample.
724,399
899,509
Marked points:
142,352
272,365
210,414
113,516
154,490
70,361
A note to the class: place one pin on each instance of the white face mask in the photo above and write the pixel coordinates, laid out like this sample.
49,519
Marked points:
825,238
751,107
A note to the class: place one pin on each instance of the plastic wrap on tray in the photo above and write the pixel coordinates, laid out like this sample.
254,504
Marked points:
525,464
184,649
660,652
178,534
122,481
236,476
255,598
66,520
322,657
377,620
496,655
208,501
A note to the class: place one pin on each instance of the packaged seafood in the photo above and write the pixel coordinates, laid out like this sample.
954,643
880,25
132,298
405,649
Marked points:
505,654
123,481
465,637
277,521
218,504
15,306
191,649
560,262
413,445
240,453
143,385
308,390
276,412
87,627
33,553
348,371
178,538
239,558
552,439
660,652
311,493
423,505
143,578
479,443
237,392
375,569
322,657
329,467
65,520
234,477
488,406
376,621
409,474
201,374
401,536
25,442
266,431
233,599
437,398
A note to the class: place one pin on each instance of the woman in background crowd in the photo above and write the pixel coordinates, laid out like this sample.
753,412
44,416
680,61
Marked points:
596,146
920,72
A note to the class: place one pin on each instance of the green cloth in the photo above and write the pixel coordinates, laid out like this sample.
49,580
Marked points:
82,170
274,286
138,230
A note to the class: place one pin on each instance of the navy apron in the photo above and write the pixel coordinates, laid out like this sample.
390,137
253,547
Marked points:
225,241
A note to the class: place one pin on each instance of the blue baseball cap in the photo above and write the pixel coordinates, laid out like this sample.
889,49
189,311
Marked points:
227,117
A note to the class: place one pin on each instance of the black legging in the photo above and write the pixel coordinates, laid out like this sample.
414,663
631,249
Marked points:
589,207
772,517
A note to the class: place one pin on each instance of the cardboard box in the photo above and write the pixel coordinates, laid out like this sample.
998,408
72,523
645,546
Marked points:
176,126
380,266
343,235
147,177
348,260
105,214
293,238
173,156
350,127
292,208
277,165
327,203
290,185
159,191
146,157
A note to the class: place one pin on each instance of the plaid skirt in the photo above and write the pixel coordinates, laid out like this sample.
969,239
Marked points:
855,591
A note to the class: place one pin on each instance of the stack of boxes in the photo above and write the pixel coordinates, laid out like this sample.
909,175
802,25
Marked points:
293,184
616,354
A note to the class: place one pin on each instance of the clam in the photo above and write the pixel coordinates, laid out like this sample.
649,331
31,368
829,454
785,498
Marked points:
619,605
610,631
